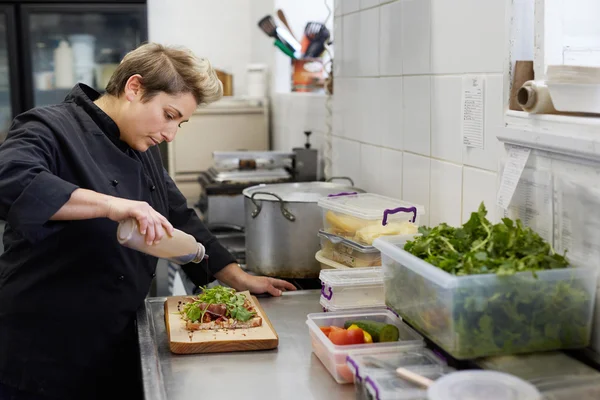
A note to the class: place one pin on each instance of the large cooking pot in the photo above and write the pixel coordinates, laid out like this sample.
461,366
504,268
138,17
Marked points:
282,223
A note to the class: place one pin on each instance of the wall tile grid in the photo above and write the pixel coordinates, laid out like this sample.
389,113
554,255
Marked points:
397,104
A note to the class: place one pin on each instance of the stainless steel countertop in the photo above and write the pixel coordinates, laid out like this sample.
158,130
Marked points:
291,371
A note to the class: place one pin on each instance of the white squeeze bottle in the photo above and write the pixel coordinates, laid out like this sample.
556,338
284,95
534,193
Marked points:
181,248
64,76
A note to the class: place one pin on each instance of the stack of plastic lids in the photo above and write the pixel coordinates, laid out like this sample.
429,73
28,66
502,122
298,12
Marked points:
351,289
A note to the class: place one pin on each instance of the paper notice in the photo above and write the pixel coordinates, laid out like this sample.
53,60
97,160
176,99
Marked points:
472,118
515,163
578,221
532,202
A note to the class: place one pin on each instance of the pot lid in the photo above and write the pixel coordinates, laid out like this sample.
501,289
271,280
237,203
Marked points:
299,192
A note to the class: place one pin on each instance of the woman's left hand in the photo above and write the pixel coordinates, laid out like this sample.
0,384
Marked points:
263,284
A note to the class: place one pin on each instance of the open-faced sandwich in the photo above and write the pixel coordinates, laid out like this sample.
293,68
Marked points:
219,308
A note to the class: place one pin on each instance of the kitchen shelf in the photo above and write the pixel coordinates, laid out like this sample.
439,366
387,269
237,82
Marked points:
564,134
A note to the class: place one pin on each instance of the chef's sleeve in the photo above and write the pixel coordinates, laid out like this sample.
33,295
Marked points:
30,191
185,219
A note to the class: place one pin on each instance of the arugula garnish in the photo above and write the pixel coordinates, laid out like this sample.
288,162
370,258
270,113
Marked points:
479,247
219,295
514,313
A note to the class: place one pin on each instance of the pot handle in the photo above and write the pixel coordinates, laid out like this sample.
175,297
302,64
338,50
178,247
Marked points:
342,177
284,211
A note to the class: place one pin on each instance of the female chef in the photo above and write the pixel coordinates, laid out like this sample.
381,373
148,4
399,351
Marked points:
68,173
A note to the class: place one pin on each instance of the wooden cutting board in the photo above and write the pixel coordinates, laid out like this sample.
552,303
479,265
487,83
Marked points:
182,341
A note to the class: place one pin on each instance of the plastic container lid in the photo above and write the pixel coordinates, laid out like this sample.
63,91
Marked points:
335,239
330,263
478,385
297,192
352,277
368,206
328,307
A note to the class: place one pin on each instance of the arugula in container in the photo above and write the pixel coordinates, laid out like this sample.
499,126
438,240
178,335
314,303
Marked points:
479,247
498,309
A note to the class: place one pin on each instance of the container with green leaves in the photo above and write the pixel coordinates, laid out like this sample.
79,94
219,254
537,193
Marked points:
488,289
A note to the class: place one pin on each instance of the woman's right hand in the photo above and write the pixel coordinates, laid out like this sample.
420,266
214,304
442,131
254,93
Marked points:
152,224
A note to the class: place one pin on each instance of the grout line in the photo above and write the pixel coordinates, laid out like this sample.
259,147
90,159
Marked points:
456,74
417,154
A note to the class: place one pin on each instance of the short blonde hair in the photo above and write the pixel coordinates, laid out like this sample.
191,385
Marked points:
173,70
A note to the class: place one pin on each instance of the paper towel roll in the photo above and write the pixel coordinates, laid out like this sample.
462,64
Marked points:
534,98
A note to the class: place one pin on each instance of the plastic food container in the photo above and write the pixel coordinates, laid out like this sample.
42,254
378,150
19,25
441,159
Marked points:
333,356
330,308
366,216
326,263
386,385
417,360
348,252
486,315
361,287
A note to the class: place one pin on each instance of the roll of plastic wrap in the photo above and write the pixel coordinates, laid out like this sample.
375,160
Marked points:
534,98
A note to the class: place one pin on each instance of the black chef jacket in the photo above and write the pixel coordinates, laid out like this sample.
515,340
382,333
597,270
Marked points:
68,290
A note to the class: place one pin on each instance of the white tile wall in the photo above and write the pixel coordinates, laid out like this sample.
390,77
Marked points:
390,116
346,159
371,168
417,114
446,193
479,186
368,43
350,44
367,111
390,39
397,120
416,173
391,173
416,37
446,114
467,36
368,3
350,6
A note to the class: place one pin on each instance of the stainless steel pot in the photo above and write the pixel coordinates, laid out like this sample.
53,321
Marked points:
282,225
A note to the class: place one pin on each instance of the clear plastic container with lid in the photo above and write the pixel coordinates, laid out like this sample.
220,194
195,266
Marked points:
366,216
334,356
328,307
486,315
361,287
347,252
417,360
386,385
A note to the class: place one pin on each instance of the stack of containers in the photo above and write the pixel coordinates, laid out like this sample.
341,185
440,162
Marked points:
373,379
351,221
351,289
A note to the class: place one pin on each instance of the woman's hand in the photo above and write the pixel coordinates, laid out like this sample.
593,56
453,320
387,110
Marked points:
232,275
263,284
152,224
87,204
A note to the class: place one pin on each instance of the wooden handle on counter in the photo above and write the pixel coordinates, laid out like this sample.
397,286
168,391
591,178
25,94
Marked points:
413,377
